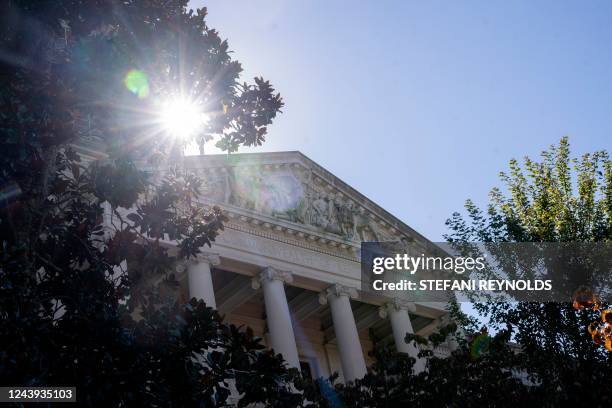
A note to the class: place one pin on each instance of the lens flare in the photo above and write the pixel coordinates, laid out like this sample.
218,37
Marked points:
584,297
600,331
182,118
136,82
606,316
277,194
282,192
480,343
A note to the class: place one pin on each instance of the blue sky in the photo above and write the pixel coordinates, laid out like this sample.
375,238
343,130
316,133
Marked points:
419,105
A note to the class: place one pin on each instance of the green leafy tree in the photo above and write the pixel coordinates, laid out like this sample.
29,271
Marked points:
541,353
556,199
77,301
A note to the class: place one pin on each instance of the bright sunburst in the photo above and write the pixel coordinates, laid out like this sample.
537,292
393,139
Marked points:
182,117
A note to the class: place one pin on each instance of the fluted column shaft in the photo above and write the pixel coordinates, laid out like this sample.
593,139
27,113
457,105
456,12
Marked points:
200,278
397,311
349,346
278,318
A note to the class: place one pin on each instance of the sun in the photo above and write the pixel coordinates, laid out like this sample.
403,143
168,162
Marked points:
182,117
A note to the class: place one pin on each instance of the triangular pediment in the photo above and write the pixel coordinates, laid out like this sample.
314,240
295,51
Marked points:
287,192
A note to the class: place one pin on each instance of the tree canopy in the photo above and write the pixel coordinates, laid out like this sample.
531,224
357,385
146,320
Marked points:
81,238
82,225
556,199
540,353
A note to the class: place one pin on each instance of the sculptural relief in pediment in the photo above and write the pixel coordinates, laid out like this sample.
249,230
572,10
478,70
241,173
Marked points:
290,194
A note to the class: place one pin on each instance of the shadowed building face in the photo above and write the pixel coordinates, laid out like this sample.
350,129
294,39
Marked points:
288,263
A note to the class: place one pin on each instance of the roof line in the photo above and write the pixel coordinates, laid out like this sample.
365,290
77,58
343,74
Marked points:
345,184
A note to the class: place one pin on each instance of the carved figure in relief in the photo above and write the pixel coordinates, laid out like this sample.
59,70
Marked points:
367,233
257,191
319,211
292,198
364,229
333,217
304,209
347,223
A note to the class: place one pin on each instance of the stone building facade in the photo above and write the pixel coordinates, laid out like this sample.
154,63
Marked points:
288,266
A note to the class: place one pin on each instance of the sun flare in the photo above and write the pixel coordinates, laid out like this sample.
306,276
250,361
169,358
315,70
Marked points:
182,118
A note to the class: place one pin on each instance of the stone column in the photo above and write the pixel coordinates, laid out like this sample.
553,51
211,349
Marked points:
351,353
200,278
278,318
397,311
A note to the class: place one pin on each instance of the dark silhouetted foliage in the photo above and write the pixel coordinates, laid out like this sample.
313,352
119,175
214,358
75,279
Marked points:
82,242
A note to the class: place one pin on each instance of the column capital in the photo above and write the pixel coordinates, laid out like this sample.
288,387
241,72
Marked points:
337,290
397,304
201,257
270,274
209,258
